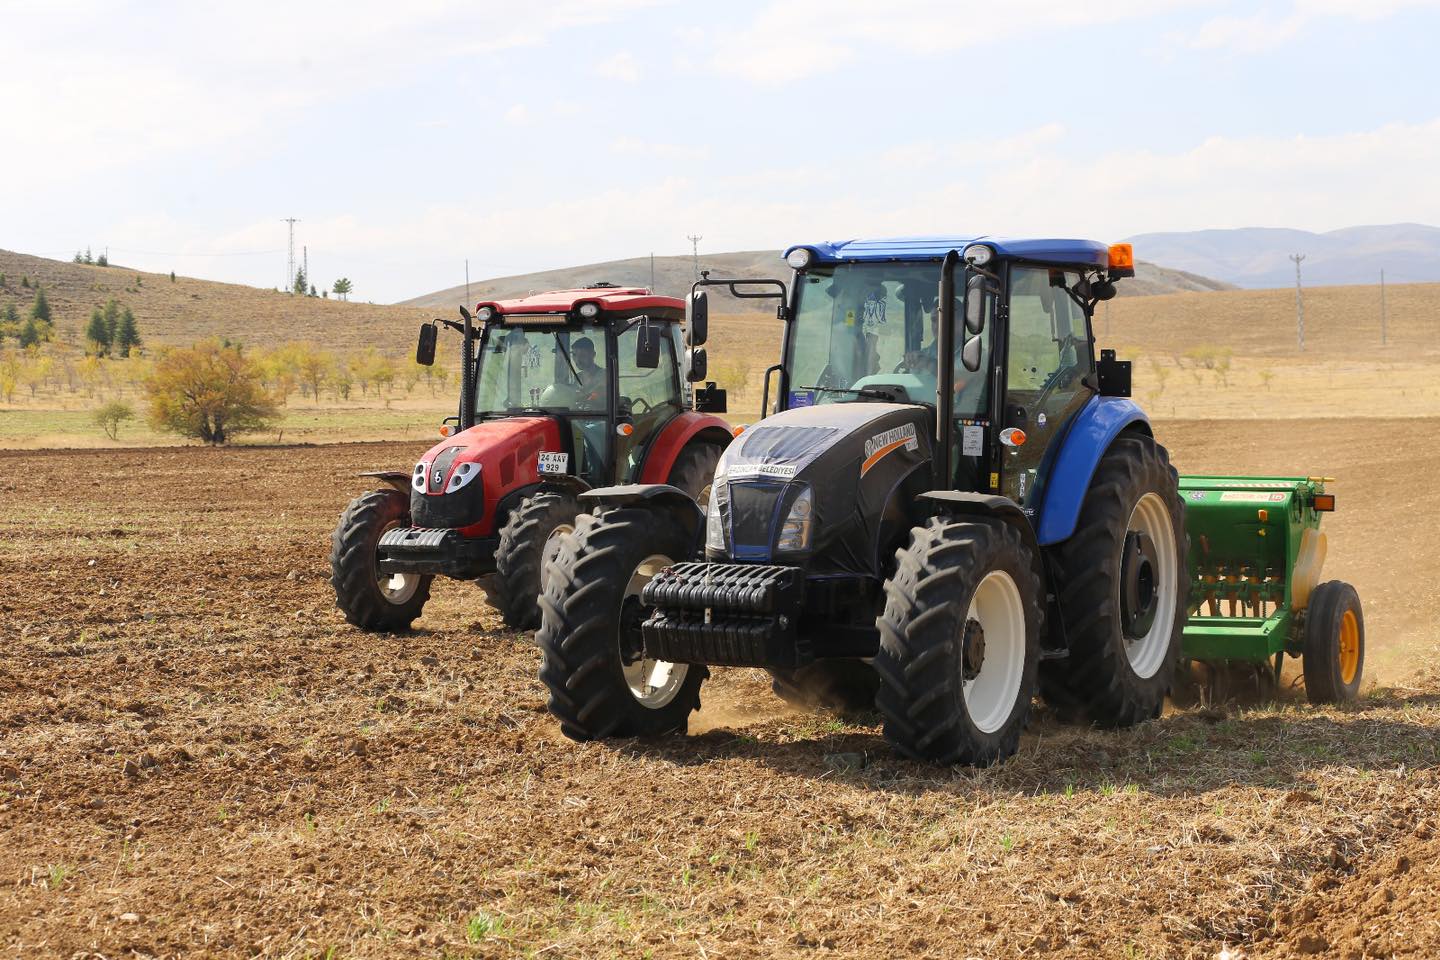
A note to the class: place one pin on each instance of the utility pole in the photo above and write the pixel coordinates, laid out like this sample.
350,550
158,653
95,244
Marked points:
695,251
290,264
305,252
1107,320
1299,302
1382,308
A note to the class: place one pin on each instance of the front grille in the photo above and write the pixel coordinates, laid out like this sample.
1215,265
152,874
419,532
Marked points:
753,509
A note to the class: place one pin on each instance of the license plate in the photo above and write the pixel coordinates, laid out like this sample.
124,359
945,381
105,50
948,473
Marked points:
554,462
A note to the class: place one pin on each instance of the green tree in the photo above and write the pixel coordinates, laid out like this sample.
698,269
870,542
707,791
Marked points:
25,281
102,261
111,415
112,322
41,310
172,276
301,284
342,288
97,333
127,337
31,334
210,392
9,321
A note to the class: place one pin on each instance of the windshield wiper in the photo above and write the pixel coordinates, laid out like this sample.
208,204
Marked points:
862,392
566,354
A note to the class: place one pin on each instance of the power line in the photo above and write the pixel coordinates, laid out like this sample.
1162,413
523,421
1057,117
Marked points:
290,264
1299,302
695,251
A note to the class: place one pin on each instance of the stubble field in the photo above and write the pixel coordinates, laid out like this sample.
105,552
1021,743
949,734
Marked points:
198,757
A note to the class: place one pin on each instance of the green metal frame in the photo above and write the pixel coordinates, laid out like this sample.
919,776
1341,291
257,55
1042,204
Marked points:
1244,542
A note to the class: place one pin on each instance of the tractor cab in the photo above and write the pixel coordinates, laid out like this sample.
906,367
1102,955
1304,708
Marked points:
608,363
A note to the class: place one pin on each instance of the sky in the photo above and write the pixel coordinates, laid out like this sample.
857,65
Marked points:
409,137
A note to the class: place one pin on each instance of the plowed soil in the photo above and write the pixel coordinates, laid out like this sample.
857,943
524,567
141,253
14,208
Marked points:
199,757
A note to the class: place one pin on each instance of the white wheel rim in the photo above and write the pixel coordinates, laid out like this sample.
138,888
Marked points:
991,695
396,588
1152,518
653,683
550,548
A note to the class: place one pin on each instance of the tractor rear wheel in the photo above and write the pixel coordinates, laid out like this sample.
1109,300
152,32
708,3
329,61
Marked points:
1123,582
694,470
1334,656
372,600
528,541
601,684
959,643
839,686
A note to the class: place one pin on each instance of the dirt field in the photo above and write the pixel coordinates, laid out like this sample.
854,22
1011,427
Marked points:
198,757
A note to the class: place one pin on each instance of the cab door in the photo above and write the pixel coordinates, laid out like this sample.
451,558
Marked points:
1048,355
646,399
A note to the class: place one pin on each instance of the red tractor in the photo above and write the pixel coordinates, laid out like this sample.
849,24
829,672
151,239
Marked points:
560,392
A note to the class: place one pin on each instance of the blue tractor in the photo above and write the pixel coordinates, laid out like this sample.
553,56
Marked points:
954,505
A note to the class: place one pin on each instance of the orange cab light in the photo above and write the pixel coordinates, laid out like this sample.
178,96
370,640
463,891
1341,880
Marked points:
447,431
1325,502
1012,437
738,430
1122,257
624,429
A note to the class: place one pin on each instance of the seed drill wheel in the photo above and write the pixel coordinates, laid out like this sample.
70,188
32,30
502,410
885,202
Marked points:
601,684
959,643
1334,657
528,541
372,600
1122,581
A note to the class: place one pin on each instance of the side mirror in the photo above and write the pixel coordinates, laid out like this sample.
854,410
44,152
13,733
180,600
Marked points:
710,399
699,365
425,350
699,317
976,290
1103,290
647,347
970,354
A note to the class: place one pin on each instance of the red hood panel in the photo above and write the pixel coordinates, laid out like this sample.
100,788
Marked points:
508,453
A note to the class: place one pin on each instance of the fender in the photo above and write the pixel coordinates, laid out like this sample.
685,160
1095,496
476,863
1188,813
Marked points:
678,431
394,479
961,503
658,496
1090,434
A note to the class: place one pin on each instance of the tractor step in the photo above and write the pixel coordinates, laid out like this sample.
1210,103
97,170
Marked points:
442,552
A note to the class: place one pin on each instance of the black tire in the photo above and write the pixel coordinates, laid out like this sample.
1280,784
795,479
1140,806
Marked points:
845,687
1098,681
514,588
1333,622
585,618
353,564
925,636
694,469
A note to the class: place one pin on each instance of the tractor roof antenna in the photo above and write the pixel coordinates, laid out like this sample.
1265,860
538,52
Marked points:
695,251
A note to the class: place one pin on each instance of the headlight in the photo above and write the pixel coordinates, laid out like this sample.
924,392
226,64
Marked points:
795,531
483,314
462,476
978,254
417,479
800,257
588,310
714,524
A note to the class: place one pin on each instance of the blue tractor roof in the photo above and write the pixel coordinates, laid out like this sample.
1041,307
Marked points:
1055,251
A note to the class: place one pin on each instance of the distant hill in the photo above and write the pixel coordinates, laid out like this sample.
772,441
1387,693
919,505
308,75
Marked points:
1257,257
673,276
185,310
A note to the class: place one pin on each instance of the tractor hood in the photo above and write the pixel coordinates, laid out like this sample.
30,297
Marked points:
459,482
858,463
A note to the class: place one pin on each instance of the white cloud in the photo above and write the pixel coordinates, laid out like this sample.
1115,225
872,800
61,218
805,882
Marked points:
1265,30
519,114
622,66
633,147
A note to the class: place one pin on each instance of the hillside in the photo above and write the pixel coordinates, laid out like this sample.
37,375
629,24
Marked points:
187,309
673,276
1259,257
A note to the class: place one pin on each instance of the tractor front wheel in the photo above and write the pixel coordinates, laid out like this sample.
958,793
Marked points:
1334,656
1123,581
601,683
528,541
371,600
959,643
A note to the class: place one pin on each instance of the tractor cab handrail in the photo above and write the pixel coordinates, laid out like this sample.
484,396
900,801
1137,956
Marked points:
732,285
